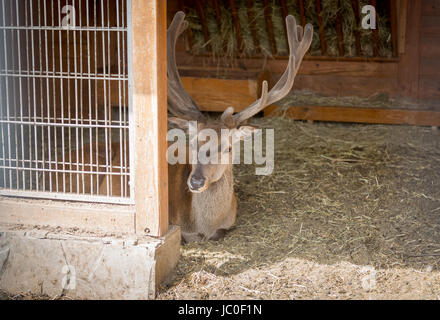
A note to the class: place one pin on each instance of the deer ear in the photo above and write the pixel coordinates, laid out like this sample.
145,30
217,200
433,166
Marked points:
177,122
245,132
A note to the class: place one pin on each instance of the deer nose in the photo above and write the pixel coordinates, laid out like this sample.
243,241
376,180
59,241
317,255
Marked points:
197,182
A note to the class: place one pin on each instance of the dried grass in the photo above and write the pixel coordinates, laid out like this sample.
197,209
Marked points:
378,100
224,43
341,197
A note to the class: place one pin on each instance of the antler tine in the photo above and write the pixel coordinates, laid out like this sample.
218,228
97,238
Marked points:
299,44
180,103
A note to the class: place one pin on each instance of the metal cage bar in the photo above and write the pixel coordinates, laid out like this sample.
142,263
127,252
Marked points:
64,100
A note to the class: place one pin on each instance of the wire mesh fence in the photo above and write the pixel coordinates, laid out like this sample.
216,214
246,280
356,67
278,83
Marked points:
64,99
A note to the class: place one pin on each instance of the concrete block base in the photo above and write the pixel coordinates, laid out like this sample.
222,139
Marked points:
85,267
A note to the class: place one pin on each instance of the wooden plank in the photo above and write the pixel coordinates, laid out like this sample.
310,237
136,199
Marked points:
252,25
212,94
360,115
375,33
269,26
148,120
285,13
393,22
181,5
308,67
203,22
430,26
237,26
83,216
302,12
332,85
430,67
339,31
430,88
430,47
357,34
431,8
218,19
321,28
218,14
408,78
402,7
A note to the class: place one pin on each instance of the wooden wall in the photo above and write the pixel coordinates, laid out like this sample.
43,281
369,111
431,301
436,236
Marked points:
429,79
413,76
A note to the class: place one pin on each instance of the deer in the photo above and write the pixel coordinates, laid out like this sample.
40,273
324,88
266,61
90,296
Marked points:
201,195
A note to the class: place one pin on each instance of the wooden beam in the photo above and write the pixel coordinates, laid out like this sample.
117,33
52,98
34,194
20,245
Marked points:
213,94
202,17
148,118
357,34
339,30
361,68
375,32
430,8
269,26
181,6
218,14
321,28
237,26
285,13
218,19
360,115
409,64
252,25
402,7
83,216
302,12
393,22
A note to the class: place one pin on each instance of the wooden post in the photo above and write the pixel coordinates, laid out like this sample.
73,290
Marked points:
204,23
357,34
269,26
393,21
375,32
321,28
148,115
302,12
409,64
252,25
340,31
285,12
188,32
237,26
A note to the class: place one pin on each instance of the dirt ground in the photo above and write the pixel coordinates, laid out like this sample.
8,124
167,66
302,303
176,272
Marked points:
350,212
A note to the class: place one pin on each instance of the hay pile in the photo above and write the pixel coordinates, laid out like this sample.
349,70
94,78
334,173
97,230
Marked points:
341,197
224,42
379,100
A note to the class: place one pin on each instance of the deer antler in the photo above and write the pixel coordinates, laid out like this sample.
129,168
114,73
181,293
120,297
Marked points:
180,103
299,44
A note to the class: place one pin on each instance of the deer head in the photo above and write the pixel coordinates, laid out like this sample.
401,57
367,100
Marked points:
184,109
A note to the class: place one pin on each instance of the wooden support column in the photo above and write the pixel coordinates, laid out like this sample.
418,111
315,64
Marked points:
357,34
148,115
409,64
252,25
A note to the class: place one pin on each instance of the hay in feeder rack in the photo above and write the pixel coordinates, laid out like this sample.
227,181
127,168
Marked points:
246,28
